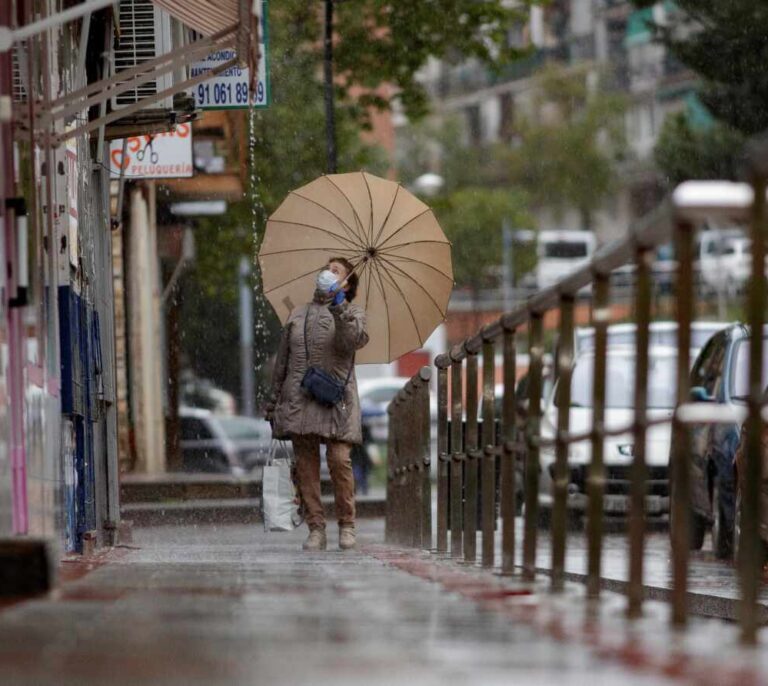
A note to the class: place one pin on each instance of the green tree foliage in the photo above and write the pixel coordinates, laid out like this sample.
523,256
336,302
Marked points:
472,219
683,153
377,42
288,151
381,41
460,166
726,44
569,143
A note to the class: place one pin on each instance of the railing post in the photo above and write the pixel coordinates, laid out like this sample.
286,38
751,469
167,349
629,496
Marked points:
752,480
400,516
509,458
413,464
638,477
561,476
389,524
471,464
457,457
533,436
680,469
442,364
425,423
601,316
488,464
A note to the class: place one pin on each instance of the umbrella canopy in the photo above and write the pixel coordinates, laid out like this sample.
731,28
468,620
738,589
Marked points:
399,251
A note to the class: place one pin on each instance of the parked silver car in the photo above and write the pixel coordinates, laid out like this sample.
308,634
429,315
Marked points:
220,443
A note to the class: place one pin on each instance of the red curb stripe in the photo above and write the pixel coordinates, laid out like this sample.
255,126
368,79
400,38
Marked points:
511,602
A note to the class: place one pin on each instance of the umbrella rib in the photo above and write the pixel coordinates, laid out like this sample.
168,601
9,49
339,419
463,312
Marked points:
353,237
317,228
296,278
351,206
389,214
412,219
407,304
410,278
293,250
390,248
386,306
367,290
370,200
395,258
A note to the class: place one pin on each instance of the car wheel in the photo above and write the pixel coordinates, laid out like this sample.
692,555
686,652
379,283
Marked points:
722,534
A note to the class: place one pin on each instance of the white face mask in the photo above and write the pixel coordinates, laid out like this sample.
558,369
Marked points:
326,279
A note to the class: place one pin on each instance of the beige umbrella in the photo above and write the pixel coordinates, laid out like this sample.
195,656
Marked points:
399,251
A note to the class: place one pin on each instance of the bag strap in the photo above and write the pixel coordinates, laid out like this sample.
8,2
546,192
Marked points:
306,348
274,447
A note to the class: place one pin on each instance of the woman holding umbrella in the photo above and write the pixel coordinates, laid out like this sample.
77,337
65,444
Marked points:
402,276
314,395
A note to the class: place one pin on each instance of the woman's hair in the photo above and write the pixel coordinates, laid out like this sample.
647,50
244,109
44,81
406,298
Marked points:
352,279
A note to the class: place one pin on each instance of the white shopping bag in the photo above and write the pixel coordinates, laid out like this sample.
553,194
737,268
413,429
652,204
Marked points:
279,500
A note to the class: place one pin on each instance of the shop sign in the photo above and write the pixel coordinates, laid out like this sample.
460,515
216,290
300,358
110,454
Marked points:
157,156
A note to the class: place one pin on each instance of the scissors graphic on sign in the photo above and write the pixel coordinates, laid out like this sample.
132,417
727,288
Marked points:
153,156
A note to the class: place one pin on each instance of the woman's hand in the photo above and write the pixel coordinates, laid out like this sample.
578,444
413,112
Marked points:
269,411
338,294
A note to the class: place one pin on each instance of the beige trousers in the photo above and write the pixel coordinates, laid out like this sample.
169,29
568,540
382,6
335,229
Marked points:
307,451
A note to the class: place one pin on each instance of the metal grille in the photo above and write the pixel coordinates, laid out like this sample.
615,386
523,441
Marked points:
144,34
19,74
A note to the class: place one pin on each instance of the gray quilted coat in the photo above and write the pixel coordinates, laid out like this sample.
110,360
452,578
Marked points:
334,333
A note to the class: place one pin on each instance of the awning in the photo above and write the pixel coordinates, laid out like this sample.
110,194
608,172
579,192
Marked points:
204,16
639,27
223,24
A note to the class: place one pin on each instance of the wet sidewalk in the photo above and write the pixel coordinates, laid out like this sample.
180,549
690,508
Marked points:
233,605
713,585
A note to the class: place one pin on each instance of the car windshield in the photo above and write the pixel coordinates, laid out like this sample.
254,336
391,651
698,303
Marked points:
666,338
565,249
700,336
242,427
740,369
620,386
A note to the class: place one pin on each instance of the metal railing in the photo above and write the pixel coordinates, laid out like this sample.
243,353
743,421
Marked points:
478,464
409,485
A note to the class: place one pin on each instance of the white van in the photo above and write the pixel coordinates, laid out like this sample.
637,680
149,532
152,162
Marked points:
561,252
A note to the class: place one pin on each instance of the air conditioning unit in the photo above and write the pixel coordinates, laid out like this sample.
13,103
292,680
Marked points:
20,67
144,32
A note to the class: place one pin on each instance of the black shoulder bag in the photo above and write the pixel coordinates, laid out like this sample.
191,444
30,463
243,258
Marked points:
322,386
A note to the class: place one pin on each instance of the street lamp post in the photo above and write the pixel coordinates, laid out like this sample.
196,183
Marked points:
247,383
330,113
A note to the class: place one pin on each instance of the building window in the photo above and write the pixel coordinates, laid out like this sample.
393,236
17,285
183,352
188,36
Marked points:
474,125
506,117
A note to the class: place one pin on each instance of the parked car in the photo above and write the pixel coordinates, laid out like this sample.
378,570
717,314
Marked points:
662,333
375,396
619,413
663,272
719,375
724,260
561,252
227,444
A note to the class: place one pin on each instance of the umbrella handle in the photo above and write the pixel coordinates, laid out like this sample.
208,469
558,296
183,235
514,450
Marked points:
354,269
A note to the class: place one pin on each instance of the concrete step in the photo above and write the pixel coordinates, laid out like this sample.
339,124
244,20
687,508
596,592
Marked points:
226,511
153,488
